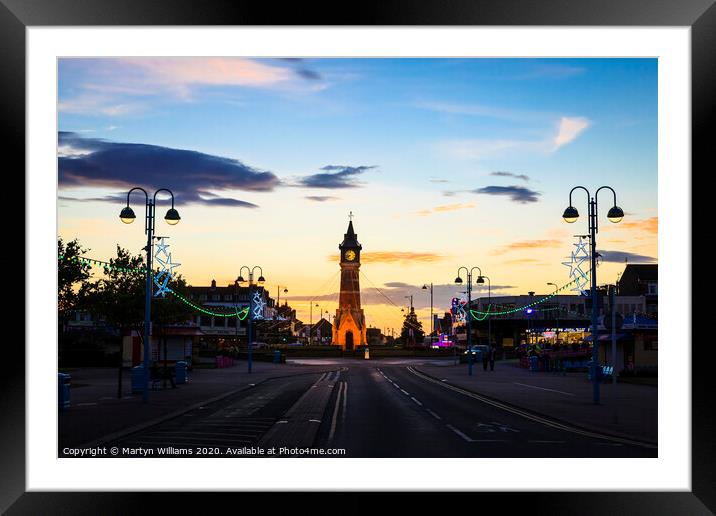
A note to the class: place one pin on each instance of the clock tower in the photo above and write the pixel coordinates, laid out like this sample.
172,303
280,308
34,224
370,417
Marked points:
349,324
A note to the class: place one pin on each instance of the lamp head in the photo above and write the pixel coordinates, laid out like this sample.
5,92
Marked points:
458,280
261,280
172,217
480,279
570,214
127,215
615,215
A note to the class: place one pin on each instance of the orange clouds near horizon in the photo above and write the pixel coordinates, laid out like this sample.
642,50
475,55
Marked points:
446,208
395,256
527,244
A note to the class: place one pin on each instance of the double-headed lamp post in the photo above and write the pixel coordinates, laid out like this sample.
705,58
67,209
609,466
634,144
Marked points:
252,288
615,215
432,329
489,302
127,216
458,280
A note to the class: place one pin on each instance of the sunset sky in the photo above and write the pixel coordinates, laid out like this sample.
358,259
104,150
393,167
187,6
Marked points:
443,162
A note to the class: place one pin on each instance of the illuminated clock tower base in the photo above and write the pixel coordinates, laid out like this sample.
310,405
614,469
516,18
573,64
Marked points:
349,329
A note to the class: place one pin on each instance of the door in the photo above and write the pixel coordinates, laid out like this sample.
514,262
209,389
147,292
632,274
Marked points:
349,341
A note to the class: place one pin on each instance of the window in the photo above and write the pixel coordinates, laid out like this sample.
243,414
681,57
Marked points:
227,297
650,345
202,297
215,297
652,288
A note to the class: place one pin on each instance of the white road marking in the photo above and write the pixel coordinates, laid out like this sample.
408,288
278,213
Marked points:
335,411
527,415
314,420
345,400
433,414
543,388
458,432
283,421
87,404
405,392
416,401
546,442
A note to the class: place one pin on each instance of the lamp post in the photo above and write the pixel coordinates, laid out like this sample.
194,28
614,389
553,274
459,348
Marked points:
127,216
615,215
489,302
278,294
432,329
469,315
556,338
310,329
253,308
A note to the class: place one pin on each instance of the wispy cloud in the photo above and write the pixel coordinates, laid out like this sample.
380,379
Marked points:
446,208
335,177
481,110
321,198
518,194
528,244
193,176
438,180
569,129
650,225
501,173
123,86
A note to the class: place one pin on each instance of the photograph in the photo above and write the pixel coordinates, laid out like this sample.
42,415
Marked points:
357,257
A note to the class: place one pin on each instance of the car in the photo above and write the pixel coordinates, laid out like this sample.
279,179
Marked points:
478,349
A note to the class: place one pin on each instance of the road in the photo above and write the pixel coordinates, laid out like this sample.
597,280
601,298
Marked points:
374,409
383,410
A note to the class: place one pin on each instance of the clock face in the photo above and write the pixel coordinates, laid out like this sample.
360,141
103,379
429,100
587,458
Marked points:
350,255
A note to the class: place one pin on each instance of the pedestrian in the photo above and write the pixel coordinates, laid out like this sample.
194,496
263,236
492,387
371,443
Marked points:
492,352
485,358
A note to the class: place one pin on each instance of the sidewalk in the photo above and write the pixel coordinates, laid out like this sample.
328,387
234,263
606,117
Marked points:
96,411
630,411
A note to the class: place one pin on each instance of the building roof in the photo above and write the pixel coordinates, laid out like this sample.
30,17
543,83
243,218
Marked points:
643,271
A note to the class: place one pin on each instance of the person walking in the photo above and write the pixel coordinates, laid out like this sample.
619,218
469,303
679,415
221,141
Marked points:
492,352
485,358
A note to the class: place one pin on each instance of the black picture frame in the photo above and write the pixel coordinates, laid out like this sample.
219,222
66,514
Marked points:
700,15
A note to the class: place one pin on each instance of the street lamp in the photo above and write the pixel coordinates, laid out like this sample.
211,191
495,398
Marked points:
310,329
556,338
127,216
432,329
278,294
253,308
458,280
615,215
481,279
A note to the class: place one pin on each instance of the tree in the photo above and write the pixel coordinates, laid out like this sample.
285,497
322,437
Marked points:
72,275
412,332
119,298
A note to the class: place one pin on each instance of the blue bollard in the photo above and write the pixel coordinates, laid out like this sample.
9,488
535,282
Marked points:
180,372
63,390
137,376
277,356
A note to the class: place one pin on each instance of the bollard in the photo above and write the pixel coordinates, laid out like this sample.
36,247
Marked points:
63,390
366,355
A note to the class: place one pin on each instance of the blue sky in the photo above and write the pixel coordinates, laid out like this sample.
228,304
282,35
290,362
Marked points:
460,160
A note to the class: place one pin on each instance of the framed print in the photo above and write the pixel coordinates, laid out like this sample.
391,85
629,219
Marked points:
414,250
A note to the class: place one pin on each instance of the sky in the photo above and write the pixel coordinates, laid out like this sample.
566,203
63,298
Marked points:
443,162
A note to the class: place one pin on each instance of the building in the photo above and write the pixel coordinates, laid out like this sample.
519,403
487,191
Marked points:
225,299
641,280
349,324
317,334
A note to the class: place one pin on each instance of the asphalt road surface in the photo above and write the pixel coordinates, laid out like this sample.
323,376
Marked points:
383,410
373,409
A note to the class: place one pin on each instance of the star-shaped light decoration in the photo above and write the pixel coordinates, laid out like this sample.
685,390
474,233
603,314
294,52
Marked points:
257,306
166,272
579,256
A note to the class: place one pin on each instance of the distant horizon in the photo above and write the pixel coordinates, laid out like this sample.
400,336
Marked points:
443,162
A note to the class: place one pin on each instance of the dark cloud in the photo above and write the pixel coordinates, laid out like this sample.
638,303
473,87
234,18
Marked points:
515,193
335,176
501,173
189,174
623,256
307,73
321,198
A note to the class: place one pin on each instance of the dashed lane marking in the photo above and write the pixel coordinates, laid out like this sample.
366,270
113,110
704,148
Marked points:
416,401
433,414
527,415
458,432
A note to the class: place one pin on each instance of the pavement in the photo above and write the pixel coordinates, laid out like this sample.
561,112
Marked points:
626,410
97,413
